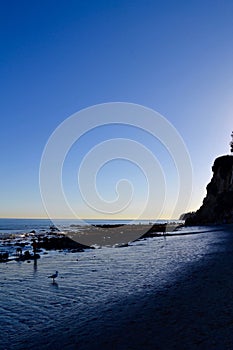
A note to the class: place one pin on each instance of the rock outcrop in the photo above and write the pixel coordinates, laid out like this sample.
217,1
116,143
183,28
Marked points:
61,242
185,216
217,206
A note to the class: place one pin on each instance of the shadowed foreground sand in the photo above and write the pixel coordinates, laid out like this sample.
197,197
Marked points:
196,312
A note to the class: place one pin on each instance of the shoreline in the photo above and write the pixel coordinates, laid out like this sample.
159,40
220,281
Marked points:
193,312
187,305
90,237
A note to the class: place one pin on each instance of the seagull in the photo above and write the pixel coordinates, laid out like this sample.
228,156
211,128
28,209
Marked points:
54,276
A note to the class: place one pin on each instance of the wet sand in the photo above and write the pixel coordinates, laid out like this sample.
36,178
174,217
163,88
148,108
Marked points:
192,309
111,235
196,312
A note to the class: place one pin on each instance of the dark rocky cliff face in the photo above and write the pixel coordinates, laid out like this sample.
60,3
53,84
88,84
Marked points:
217,206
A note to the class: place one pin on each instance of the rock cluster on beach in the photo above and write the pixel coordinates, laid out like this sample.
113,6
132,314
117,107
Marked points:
217,206
27,246
60,242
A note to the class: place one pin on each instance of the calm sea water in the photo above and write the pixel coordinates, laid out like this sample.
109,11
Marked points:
26,225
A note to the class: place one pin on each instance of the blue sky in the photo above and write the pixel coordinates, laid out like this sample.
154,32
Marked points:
58,57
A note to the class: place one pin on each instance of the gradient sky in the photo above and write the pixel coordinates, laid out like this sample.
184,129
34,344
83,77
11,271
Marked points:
58,57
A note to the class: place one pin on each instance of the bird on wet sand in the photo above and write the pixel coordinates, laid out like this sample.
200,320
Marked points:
54,276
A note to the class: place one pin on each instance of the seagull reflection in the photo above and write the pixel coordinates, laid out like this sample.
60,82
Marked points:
35,266
54,285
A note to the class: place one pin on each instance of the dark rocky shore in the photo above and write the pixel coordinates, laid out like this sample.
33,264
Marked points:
30,245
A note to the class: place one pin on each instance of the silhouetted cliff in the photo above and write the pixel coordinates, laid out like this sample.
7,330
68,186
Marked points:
217,206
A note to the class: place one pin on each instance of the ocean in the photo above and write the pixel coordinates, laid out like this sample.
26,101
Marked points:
26,225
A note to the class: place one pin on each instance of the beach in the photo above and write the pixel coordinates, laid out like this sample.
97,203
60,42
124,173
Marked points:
157,293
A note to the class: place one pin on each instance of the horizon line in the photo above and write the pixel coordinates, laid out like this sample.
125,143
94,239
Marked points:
46,218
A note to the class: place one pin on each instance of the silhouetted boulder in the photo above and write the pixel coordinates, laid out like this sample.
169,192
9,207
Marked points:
4,257
62,242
